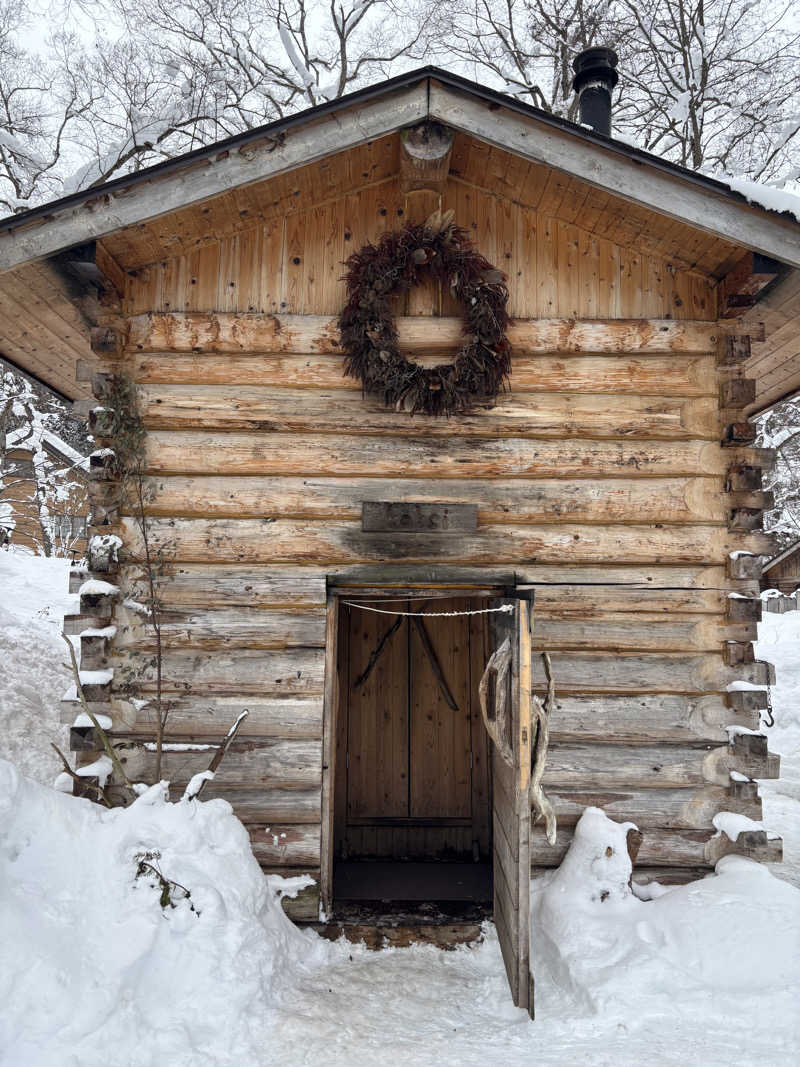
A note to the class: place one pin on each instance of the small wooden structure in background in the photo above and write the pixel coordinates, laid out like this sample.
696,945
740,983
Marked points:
67,510
616,480
783,571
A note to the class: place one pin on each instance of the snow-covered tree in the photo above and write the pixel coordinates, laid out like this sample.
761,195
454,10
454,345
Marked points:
714,84
710,84
779,428
527,46
46,485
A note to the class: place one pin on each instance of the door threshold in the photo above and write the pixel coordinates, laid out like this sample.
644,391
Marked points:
378,924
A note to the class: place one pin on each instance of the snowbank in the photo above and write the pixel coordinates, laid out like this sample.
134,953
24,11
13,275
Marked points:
34,597
96,971
779,642
729,936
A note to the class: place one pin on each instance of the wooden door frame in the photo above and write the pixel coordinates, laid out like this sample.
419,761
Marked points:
450,584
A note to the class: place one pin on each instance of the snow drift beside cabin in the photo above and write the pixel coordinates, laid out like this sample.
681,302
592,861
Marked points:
733,933
94,965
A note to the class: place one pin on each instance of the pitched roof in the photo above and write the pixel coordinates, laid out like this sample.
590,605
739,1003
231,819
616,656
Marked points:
781,557
337,125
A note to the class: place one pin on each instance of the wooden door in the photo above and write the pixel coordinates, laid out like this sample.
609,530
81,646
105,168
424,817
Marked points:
411,737
506,703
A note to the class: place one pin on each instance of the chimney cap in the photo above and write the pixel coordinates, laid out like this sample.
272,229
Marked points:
595,64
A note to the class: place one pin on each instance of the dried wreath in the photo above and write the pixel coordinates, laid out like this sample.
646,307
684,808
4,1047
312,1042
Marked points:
394,265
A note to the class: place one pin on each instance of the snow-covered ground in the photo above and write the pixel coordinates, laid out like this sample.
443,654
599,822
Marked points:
34,597
779,642
95,971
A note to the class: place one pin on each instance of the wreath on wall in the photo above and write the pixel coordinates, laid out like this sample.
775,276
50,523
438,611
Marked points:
378,272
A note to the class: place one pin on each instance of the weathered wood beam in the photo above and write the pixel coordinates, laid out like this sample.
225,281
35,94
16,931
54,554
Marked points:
229,628
651,378
425,157
740,289
195,452
667,194
255,161
301,334
297,541
674,500
670,847
213,407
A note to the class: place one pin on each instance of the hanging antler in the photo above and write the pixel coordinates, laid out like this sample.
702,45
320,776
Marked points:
538,797
496,726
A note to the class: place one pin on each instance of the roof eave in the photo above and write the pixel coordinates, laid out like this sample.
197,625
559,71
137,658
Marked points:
377,111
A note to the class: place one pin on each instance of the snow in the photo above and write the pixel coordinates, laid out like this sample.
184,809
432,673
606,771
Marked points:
766,196
196,784
178,747
96,972
83,720
96,587
99,631
96,677
737,731
34,597
732,824
779,642
24,436
100,769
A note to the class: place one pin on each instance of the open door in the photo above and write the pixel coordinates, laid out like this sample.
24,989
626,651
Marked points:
505,696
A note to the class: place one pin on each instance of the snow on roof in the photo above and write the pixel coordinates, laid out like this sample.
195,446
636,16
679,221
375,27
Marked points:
766,196
22,438
780,557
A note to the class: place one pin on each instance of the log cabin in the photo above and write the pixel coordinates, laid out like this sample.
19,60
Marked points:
336,567
46,513
782,572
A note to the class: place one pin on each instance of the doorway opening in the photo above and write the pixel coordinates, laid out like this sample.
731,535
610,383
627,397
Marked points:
412,826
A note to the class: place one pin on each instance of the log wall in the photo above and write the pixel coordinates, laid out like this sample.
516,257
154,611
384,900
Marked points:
615,475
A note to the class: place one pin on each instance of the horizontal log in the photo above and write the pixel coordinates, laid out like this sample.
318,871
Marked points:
257,628
560,590
272,805
614,766
182,587
511,415
190,452
236,332
245,673
609,575
662,717
663,808
285,845
186,382
305,542
206,719
265,764
744,609
663,848
76,623
628,672
668,875
621,499
646,632
230,628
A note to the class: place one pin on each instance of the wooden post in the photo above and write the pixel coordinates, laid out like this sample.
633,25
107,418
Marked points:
425,157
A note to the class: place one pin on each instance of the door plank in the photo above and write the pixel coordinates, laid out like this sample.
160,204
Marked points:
378,728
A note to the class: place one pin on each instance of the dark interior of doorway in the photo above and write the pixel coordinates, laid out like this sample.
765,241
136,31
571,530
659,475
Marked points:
412,805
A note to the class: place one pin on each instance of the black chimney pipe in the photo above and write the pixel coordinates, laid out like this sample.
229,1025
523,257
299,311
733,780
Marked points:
594,81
